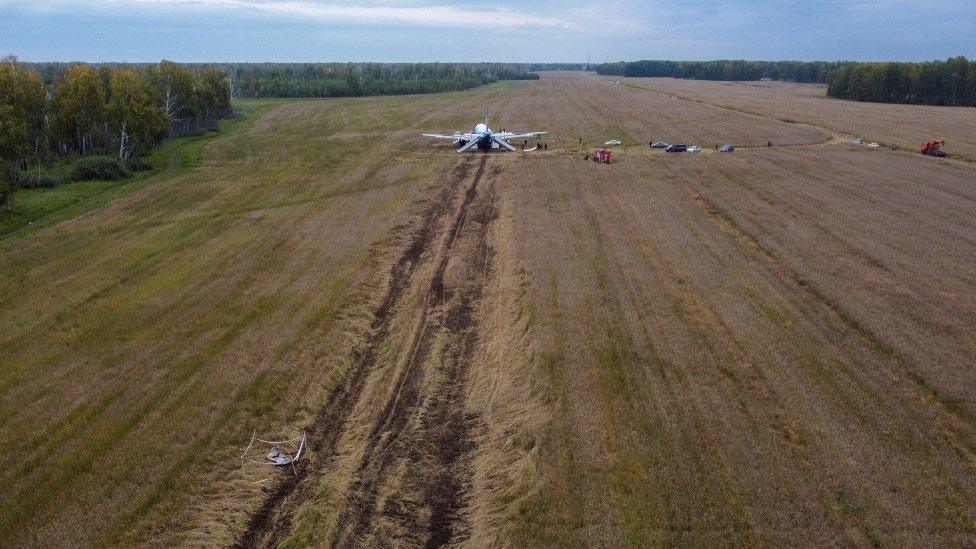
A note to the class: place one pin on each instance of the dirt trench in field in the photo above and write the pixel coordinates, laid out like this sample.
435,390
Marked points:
413,479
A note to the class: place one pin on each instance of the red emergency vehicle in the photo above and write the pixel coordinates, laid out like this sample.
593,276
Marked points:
603,156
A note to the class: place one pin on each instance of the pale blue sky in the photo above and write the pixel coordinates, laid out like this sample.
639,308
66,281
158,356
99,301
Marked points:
435,30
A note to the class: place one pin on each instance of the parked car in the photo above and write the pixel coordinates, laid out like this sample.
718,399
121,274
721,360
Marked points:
727,149
613,143
694,149
659,145
676,148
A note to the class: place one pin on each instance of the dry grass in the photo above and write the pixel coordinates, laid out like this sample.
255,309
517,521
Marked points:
774,347
739,342
144,341
906,126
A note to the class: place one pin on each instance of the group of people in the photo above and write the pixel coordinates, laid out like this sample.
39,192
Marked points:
603,156
544,145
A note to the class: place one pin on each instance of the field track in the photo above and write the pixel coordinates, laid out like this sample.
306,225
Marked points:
436,441
436,444
775,347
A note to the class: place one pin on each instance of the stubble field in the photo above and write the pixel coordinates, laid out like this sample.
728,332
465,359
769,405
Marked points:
771,347
901,126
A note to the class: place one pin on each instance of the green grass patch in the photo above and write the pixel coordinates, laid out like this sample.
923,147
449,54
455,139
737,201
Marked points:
31,205
191,155
852,511
776,315
556,516
311,525
36,208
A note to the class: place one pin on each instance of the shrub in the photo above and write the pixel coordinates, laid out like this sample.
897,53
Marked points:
8,183
98,167
48,181
31,180
138,164
25,180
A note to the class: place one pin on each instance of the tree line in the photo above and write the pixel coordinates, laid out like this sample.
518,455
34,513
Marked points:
55,110
543,67
365,79
792,71
951,82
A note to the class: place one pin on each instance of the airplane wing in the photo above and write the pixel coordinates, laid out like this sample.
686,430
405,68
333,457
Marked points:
509,135
455,137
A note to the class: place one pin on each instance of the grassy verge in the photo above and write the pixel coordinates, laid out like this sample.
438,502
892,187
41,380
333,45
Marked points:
36,208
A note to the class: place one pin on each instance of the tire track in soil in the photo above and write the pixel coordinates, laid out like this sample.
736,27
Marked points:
271,523
417,459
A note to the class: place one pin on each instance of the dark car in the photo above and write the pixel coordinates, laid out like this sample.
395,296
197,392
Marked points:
659,145
727,149
676,149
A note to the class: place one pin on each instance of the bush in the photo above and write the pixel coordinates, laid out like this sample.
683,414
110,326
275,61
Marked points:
104,168
47,181
30,180
138,164
8,182
25,180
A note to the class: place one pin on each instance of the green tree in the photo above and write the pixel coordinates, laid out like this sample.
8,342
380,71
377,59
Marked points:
213,93
134,113
175,89
950,82
21,119
79,106
351,76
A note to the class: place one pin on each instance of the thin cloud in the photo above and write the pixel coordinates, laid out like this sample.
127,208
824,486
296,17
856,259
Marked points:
472,30
432,15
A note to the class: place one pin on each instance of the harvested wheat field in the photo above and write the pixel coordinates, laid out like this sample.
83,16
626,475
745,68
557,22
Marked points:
900,126
774,347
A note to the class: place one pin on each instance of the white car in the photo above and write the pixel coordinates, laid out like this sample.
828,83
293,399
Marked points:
694,149
613,143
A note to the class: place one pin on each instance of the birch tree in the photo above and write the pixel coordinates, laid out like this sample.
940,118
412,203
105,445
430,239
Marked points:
133,113
21,119
212,88
79,106
175,86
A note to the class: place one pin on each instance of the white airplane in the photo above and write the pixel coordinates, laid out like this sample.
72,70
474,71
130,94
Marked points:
483,138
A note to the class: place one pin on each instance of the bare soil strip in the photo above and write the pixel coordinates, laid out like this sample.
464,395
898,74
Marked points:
272,522
415,473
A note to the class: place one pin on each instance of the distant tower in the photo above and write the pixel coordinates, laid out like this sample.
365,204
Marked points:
587,61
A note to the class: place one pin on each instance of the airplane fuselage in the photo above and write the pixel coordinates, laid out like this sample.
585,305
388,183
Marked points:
484,134
483,138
